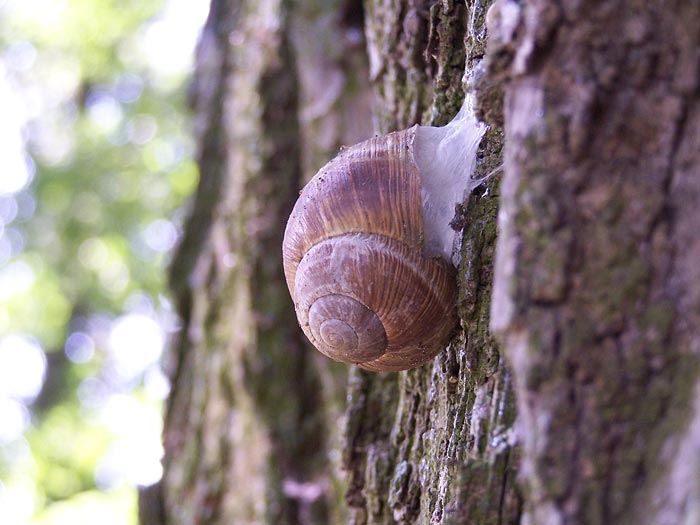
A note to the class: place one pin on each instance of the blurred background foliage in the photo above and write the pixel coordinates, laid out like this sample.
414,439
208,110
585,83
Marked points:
97,165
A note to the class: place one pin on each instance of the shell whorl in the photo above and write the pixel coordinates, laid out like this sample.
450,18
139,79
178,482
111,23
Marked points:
363,290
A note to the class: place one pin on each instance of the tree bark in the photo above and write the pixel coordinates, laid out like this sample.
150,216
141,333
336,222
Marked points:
597,289
434,444
251,431
251,416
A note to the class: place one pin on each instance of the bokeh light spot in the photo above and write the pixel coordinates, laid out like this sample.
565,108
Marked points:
141,129
22,367
16,502
16,171
80,347
160,235
20,55
136,341
15,278
8,209
105,111
135,454
14,418
93,253
128,87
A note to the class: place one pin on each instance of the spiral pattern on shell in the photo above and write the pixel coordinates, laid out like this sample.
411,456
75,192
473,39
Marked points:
363,290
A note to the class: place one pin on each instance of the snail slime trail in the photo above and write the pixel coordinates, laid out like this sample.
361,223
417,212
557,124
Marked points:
368,247
446,158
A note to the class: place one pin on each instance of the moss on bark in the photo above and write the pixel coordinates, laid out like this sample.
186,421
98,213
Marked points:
600,114
435,444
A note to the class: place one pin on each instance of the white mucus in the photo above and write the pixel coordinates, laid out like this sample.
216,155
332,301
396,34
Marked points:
446,159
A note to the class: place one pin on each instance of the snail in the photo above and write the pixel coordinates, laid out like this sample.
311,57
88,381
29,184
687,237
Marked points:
368,248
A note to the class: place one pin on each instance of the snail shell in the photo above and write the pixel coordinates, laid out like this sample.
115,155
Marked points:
364,289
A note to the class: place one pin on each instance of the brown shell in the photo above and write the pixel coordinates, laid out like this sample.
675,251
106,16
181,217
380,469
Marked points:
353,259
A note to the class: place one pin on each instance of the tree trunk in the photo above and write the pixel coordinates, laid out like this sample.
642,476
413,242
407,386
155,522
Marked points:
252,413
597,289
251,433
434,444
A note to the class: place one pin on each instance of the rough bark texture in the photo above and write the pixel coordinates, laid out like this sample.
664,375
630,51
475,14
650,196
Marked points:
253,421
252,411
434,445
597,291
